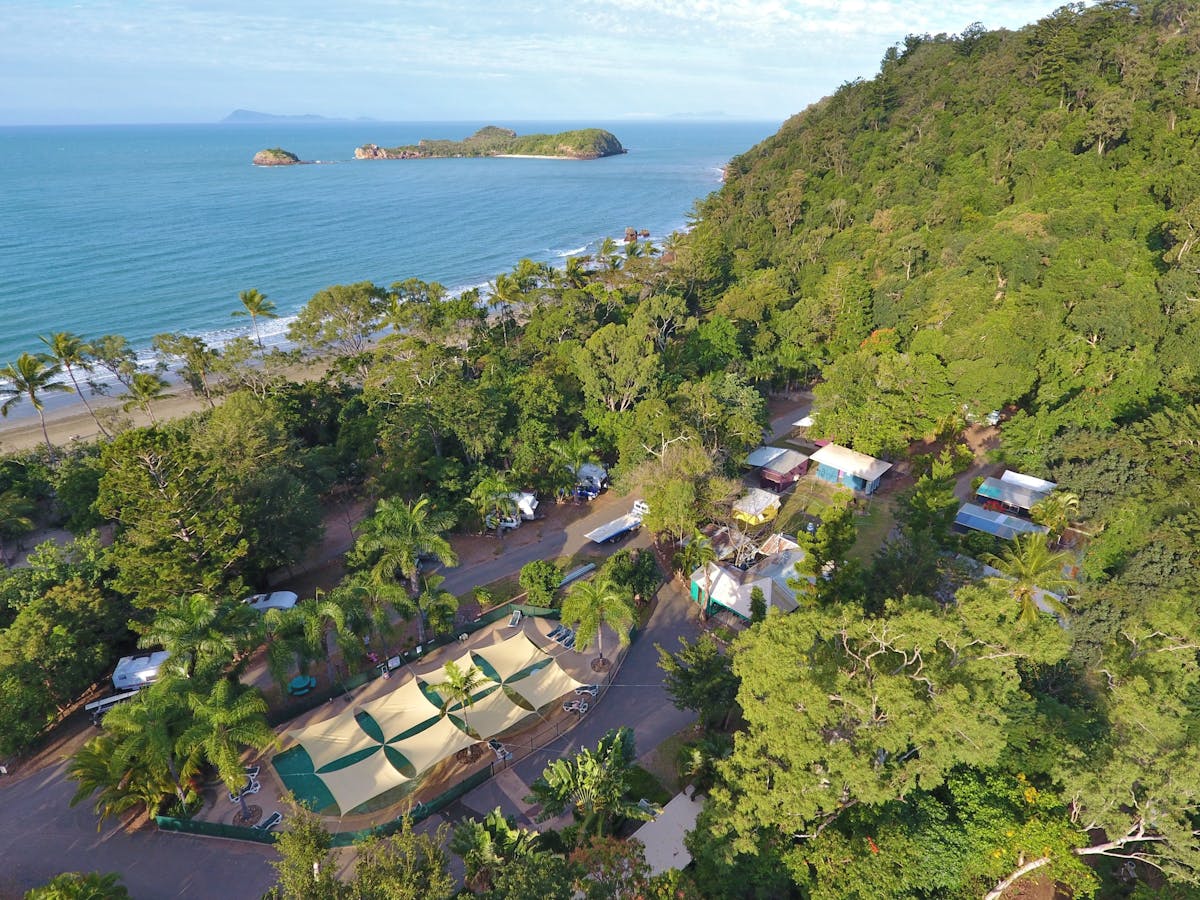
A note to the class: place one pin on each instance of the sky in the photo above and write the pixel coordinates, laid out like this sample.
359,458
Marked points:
137,61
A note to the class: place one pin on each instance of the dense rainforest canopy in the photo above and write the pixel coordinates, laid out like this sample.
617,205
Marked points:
999,221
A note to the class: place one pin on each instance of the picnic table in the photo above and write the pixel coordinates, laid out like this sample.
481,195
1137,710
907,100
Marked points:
301,685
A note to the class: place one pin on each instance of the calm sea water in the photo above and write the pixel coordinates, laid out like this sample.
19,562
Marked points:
142,229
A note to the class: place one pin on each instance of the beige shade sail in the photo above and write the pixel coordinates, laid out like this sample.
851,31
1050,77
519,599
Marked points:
329,740
435,743
363,781
511,656
545,685
493,714
438,675
397,711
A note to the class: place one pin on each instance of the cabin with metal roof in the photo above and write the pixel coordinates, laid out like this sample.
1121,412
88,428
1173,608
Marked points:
841,465
784,470
756,506
761,456
1013,495
994,522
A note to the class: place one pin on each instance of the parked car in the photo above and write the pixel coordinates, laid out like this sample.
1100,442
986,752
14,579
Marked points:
273,600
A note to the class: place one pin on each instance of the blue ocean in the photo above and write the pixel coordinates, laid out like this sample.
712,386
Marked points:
138,230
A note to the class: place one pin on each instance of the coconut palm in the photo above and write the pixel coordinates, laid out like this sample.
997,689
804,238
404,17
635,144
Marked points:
575,272
192,629
698,552
29,378
1029,565
71,352
144,389
1057,511
225,722
459,689
593,604
256,306
119,785
369,605
435,606
487,845
592,784
393,540
492,498
301,634
570,453
147,729
16,511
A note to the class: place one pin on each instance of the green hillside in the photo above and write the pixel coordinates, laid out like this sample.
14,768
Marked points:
997,221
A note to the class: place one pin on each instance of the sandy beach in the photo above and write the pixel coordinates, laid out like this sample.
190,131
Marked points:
72,422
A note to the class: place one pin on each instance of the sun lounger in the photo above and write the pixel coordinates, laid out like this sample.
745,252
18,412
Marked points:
499,749
556,631
515,619
252,787
584,707
270,822
569,643
589,690
567,635
571,706
252,772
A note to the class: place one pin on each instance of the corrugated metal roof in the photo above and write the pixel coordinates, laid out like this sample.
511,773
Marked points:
1000,524
1012,493
760,456
785,462
755,502
868,468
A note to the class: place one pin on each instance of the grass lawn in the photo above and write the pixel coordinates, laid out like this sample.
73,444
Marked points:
643,785
810,498
873,528
662,762
501,590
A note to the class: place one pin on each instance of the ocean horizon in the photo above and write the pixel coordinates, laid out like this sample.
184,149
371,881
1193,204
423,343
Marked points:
143,229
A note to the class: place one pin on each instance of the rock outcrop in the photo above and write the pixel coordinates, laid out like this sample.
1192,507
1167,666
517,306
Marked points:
586,143
276,156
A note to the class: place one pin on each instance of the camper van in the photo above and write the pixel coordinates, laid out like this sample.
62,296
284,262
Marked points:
133,672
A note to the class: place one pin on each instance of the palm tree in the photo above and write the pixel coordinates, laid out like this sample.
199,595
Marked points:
594,604
1057,511
71,351
15,518
486,846
698,552
697,763
459,688
369,604
492,497
397,535
592,784
1031,565
147,730
570,453
29,378
226,722
144,389
256,306
119,784
192,630
608,255
435,606
307,624
575,272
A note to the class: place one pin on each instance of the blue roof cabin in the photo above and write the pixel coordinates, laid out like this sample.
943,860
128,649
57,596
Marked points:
841,465
1004,505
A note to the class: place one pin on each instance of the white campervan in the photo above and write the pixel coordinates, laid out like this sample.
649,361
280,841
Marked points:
133,672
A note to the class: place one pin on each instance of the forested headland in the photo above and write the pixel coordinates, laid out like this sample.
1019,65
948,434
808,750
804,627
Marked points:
997,221
583,143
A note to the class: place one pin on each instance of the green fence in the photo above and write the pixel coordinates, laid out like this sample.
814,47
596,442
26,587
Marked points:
214,829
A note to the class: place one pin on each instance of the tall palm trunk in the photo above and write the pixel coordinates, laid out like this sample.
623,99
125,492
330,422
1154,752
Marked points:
88,406
45,433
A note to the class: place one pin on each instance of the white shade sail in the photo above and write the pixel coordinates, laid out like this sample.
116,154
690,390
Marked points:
363,781
332,739
435,743
438,676
545,685
401,709
512,656
493,714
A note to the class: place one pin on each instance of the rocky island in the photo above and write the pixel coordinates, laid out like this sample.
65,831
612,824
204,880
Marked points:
585,143
276,156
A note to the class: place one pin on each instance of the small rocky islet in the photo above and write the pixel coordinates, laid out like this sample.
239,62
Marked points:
584,143
276,156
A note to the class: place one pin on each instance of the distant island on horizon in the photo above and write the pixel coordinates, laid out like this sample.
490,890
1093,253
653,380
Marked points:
584,143
250,117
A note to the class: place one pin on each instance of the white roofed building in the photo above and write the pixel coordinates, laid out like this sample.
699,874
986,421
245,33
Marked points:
841,465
